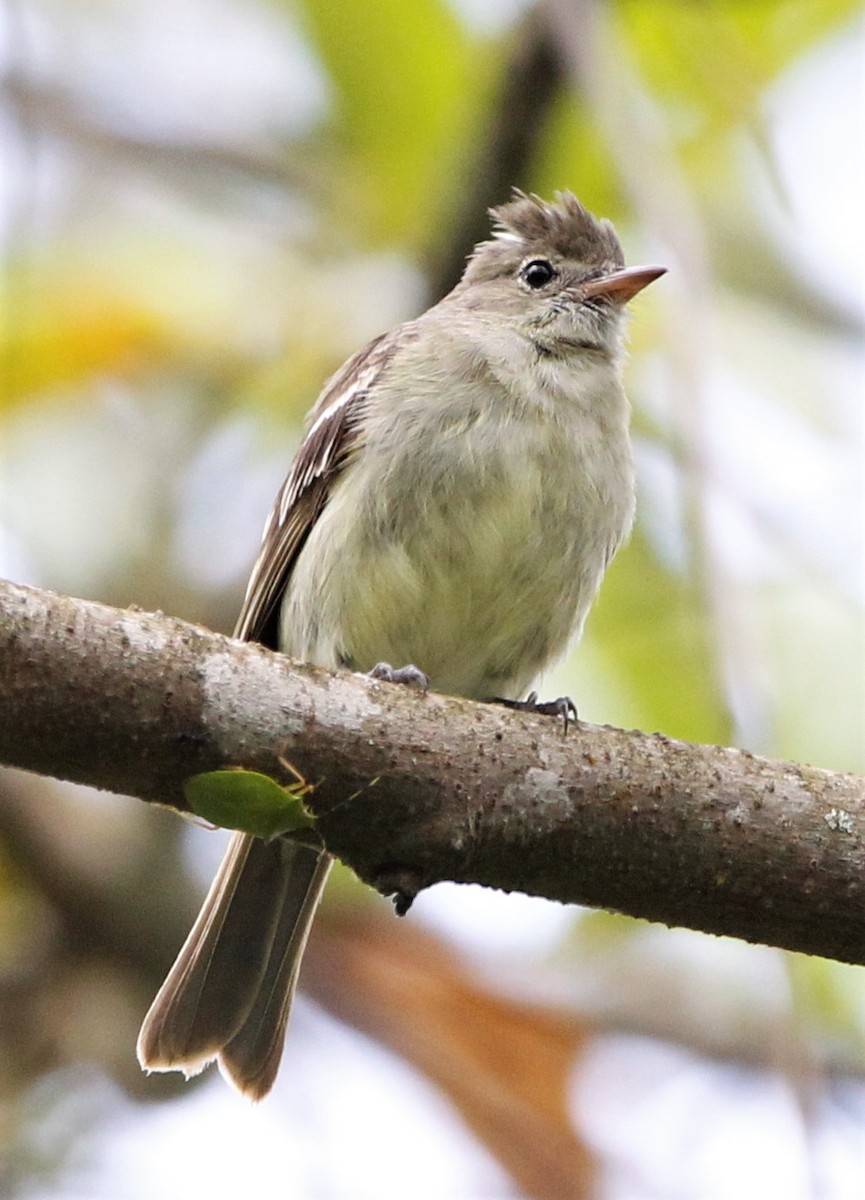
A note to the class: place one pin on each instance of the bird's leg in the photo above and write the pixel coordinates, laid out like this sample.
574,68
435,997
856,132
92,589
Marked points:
564,707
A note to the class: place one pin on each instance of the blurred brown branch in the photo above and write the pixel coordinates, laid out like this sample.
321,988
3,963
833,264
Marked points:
48,111
414,790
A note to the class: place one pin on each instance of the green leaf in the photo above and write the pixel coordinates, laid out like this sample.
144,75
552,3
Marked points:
247,800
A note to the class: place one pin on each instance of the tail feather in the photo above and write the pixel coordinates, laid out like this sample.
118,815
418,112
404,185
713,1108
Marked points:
251,1059
248,938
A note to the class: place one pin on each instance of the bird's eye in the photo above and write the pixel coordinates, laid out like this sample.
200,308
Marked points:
538,273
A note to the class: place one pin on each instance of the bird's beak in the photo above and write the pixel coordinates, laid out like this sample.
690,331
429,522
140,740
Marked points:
622,286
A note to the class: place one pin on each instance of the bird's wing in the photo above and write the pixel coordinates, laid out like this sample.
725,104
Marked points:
334,436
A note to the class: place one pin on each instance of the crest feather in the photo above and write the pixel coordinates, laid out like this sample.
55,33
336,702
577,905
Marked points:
565,226
564,229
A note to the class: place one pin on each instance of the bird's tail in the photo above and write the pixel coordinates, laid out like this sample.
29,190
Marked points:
229,993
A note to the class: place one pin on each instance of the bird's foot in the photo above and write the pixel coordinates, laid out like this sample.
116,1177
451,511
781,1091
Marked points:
563,707
409,676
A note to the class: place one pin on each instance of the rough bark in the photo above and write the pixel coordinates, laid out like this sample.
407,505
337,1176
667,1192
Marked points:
413,789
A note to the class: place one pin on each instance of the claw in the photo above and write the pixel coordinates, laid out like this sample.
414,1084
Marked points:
563,707
409,676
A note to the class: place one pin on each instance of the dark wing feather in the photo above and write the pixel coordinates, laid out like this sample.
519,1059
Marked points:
333,436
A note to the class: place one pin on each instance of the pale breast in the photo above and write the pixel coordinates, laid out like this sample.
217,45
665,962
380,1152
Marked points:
472,549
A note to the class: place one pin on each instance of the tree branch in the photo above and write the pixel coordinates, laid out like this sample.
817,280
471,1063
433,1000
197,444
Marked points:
411,789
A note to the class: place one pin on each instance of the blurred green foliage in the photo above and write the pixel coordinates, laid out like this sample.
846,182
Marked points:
410,84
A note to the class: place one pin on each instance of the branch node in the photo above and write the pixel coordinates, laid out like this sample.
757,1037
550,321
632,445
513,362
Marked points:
402,883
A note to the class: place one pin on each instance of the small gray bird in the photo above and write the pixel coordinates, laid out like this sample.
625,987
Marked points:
463,485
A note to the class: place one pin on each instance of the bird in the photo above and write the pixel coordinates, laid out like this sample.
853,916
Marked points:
463,484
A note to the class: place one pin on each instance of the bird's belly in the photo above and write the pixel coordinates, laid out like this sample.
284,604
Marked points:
474,607
480,584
